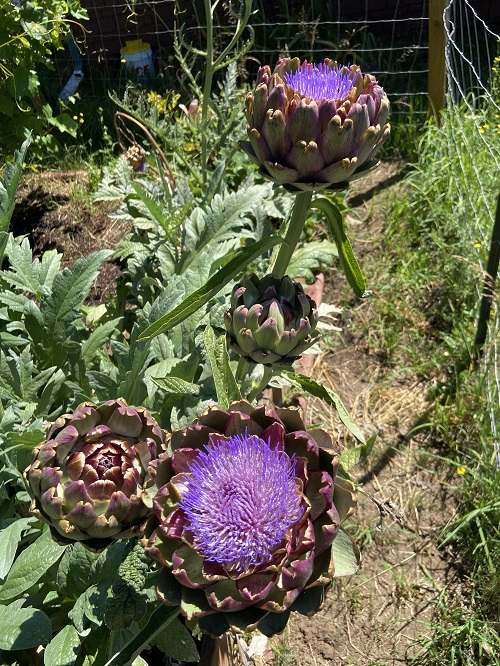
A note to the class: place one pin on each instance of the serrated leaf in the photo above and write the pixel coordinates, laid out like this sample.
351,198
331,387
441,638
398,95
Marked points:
312,258
201,296
63,649
225,383
124,607
176,385
23,274
89,607
176,642
8,188
317,390
346,558
23,628
30,566
97,338
9,542
108,562
222,218
348,260
69,290
351,457
75,570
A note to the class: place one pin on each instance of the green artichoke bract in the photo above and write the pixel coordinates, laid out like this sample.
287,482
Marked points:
314,127
89,478
271,320
247,510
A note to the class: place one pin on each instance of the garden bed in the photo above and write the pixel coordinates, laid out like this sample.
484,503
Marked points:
375,617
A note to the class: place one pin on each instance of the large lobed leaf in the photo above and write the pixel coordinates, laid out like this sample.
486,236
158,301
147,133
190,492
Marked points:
69,290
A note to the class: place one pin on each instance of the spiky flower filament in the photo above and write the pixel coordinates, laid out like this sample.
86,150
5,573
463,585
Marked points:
321,81
241,499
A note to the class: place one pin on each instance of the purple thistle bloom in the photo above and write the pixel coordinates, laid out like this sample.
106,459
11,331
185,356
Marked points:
321,81
241,499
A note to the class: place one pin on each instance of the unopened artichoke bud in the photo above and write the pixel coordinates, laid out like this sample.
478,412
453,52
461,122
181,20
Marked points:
315,127
89,477
270,321
248,507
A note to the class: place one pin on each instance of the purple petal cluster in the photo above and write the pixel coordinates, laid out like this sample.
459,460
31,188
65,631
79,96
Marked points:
246,514
315,126
321,81
241,499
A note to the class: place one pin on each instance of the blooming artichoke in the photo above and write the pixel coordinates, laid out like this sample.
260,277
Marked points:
271,321
89,478
246,517
315,126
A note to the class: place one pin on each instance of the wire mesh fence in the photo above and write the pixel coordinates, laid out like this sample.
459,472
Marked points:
389,40
473,110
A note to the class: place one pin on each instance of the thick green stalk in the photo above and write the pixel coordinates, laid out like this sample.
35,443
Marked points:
241,370
266,378
293,232
207,87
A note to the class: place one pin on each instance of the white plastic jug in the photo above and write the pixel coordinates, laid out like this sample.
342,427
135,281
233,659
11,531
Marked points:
137,57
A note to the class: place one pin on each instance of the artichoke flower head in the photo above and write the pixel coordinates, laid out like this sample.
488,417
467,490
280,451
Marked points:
246,517
315,127
88,478
271,320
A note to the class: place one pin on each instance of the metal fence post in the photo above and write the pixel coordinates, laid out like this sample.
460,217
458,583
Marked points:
437,64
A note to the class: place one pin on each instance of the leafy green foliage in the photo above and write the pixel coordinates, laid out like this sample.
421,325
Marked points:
8,188
29,31
23,628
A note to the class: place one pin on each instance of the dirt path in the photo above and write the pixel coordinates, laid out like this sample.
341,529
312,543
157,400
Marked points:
374,618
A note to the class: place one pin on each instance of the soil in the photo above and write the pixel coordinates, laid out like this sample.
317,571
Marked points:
407,495
55,210
374,618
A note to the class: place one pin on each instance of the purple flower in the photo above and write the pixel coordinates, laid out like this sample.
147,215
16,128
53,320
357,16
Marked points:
321,81
315,126
246,516
241,499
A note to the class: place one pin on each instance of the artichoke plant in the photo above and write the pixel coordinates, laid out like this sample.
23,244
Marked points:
270,321
314,127
247,510
89,477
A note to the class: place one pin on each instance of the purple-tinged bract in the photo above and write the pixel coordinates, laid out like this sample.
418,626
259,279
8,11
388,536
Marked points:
89,477
315,126
246,514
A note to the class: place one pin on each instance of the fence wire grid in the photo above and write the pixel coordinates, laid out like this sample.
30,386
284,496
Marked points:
393,48
473,69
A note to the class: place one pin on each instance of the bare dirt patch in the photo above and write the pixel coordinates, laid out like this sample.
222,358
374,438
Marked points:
55,210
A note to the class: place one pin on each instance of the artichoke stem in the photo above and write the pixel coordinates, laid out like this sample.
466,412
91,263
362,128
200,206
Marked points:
266,378
292,236
241,370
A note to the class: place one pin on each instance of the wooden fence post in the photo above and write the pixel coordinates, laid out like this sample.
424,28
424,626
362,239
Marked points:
437,63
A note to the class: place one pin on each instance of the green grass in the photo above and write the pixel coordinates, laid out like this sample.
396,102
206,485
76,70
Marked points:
437,234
